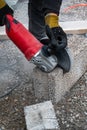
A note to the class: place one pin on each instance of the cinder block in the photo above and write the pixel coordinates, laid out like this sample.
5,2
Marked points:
54,85
41,117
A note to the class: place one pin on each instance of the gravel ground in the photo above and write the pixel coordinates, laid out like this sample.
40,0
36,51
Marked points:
71,111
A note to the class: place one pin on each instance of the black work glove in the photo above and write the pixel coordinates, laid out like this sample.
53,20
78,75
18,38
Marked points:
60,36
58,39
3,11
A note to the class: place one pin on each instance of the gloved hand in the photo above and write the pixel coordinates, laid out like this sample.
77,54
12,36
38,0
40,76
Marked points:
60,36
4,9
56,40
51,20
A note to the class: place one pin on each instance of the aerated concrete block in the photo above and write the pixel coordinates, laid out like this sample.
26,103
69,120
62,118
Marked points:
41,117
54,85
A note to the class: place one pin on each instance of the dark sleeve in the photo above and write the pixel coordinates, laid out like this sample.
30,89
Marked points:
48,6
52,6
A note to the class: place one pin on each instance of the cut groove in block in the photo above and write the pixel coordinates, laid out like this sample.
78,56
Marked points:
41,117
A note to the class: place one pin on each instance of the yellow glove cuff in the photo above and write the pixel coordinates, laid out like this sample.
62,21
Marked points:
51,19
2,3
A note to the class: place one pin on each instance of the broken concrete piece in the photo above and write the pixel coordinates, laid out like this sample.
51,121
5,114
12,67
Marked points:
41,117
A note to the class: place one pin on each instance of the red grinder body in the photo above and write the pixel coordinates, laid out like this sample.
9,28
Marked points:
22,38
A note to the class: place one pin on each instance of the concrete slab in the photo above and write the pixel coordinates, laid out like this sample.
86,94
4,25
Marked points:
41,117
55,84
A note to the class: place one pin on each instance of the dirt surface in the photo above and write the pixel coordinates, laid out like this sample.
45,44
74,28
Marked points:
71,111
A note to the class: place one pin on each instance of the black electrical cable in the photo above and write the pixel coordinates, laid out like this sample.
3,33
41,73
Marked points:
10,91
